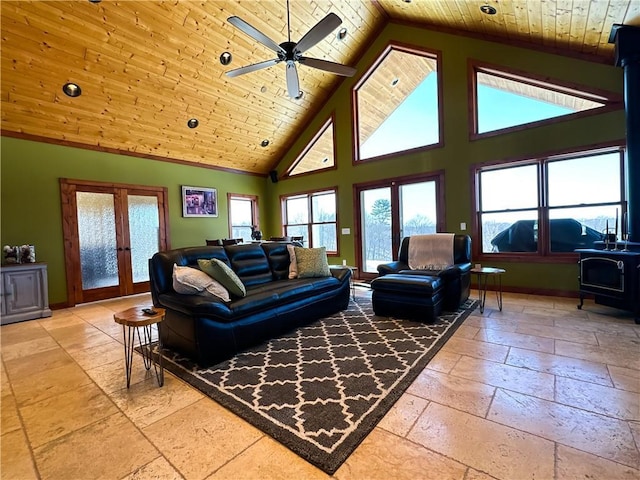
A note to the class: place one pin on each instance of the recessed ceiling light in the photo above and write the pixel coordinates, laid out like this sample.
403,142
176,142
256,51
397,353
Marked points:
395,82
263,89
95,1
264,143
407,1
488,10
342,33
225,58
71,89
325,160
193,123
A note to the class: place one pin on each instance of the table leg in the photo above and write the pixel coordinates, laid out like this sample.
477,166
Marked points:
160,376
128,337
147,354
499,289
482,291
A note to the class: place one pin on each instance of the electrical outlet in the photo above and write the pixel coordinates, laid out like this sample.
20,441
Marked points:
463,226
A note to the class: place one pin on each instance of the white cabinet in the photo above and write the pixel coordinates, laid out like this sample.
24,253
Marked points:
24,292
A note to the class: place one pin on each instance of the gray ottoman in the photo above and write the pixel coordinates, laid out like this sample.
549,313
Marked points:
415,297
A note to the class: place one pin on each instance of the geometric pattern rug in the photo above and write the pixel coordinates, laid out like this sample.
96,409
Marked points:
320,389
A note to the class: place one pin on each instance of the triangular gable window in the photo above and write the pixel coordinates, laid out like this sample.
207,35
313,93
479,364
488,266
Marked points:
506,100
397,103
318,155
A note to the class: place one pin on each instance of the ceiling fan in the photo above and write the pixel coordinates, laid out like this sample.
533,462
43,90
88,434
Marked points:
291,52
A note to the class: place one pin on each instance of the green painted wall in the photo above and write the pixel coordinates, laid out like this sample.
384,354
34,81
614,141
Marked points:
459,154
31,208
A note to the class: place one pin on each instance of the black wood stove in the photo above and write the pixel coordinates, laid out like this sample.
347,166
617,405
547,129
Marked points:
612,277
611,272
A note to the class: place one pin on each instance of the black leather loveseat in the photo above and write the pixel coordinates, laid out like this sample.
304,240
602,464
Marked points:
456,279
210,330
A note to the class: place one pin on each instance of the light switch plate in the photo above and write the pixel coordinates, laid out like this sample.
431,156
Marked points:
346,231
463,226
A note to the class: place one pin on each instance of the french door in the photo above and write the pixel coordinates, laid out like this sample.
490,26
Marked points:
110,232
392,209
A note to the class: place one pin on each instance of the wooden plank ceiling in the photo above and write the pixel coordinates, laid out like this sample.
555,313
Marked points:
146,67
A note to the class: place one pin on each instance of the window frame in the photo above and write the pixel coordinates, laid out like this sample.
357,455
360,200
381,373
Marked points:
612,101
255,217
544,253
423,52
309,225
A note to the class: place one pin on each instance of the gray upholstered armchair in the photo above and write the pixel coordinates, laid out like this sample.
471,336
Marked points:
456,277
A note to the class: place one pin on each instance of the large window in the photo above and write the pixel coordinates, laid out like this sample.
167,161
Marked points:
397,104
243,213
550,205
506,100
313,217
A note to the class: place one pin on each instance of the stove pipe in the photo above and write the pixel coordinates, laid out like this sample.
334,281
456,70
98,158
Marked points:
627,56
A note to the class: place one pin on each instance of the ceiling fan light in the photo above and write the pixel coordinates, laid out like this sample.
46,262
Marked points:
72,89
342,33
488,10
225,58
193,123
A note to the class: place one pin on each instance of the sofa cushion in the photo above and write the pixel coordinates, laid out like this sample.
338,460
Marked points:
219,271
191,281
312,262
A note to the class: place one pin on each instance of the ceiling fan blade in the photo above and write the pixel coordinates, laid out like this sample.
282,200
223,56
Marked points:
252,68
255,34
320,30
293,85
327,66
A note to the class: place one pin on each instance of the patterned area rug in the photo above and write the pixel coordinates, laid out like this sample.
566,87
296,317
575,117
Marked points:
322,388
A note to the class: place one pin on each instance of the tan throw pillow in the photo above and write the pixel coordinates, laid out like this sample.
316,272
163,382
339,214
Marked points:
312,262
218,270
191,281
293,263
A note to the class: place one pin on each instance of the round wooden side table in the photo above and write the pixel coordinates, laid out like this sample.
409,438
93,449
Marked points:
485,273
133,320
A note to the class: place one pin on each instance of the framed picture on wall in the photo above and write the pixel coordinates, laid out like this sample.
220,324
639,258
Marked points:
199,202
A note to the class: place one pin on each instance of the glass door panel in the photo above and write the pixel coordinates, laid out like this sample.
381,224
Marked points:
144,233
391,210
418,212
376,228
97,239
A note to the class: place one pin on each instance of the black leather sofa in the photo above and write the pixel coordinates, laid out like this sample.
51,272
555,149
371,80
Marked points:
456,279
209,331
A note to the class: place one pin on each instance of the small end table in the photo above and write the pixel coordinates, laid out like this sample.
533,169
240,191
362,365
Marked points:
485,273
132,320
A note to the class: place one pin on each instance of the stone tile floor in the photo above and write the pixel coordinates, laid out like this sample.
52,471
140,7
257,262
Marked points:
540,391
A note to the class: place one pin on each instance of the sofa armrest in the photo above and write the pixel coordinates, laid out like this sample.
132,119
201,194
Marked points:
392,267
342,274
194,304
454,271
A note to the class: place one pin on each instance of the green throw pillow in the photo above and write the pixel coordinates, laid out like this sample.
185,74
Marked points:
219,271
312,262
